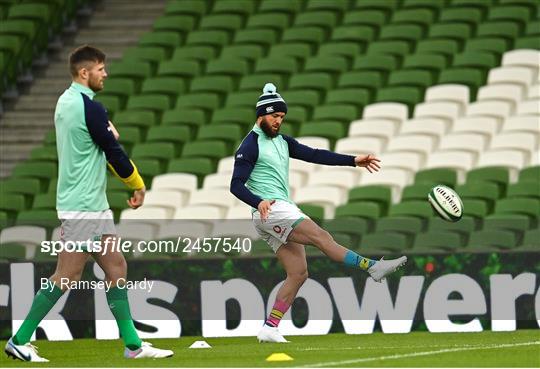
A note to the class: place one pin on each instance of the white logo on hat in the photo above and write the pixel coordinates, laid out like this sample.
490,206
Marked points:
270,109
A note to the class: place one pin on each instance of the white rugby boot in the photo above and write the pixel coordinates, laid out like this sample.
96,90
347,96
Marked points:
147,351
26,352
382,267
270,334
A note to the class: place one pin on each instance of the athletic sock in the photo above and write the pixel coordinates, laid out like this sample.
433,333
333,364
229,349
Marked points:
42,304
119,305
279,309
354,260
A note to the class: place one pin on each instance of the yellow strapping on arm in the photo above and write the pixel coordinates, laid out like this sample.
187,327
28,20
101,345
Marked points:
134,181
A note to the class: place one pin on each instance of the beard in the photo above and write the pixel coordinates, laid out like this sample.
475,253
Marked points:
95,84
267,128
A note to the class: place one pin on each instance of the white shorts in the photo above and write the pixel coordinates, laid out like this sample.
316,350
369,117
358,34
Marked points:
86,225
283,218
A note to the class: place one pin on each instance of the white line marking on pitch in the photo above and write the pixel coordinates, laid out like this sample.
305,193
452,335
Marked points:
414,354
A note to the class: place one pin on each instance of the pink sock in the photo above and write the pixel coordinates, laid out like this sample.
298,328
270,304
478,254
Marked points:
279,309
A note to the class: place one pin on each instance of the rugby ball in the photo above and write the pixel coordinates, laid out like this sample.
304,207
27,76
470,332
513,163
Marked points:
446,203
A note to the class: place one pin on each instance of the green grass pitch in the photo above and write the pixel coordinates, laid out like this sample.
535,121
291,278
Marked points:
417,349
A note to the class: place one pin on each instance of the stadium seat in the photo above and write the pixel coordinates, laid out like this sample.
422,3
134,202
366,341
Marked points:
448,177
420,209
447,47
395,178
335,177
422,144
508,92
249,52
459,160
392,242
181,182
215,38
379,194
492,240
449,92
359,34
487,126
199,53
201,100
517,75
398,224
437,241
364,209
528,58
175,23
370,17
276,21
308,34
526,206
352,145
378,128
30,237
198,166
433,127
472,142
530,239
394,111
417,191
530,174
465,226
348,49
513,222
298,50
410,161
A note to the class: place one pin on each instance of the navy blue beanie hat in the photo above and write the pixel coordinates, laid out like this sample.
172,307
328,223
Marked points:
270,101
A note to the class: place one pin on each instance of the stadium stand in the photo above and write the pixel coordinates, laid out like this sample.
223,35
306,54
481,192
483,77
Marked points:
443,91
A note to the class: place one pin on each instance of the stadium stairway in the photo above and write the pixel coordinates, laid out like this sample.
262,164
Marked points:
114,26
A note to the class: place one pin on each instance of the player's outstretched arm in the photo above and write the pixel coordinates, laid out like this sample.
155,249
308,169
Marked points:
317,156
244,162
118,162
370,162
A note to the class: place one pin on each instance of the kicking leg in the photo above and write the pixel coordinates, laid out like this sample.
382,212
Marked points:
308,232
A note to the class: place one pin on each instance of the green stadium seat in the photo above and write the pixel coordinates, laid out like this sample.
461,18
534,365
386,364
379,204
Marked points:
406,95
492,240
175,23
389,6
328,64
153,54
512,222
317,81
437,241
315,212
44,171
243,7
242,116
356,96
165,41
335,6
177,135
461,14
22,27
473,78
479,4
229,133
196,8
379,194
226,22
311,35
353,33
12,252
465,225
307,99
205,101
261,37
40,217
433,5
179,68
257,81
506,30
169,86
193,118
406,225
405,32
212,149
214,38
354,227
417,191
495,45
298,50
249,52
520,14
12,204
381,63
282,6
121,87
374,18
135,118
284,66
390,47
446,47
153,102
420,16
420,209
531,42
479,60
430,62
330,130
486,191
417,78
344,113
26,186
45,201
475,208
162,151
274,21
444,176
524,189
341,48
531,239
218,84
130,136
197,53
525,206
454,31
365,79
242,99
364,209
533,28
498,175
230,67
135,70
149,168
111,103
197,166
325,19
118,202
530,174
48,153
393,242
